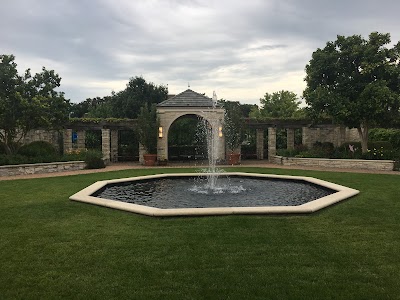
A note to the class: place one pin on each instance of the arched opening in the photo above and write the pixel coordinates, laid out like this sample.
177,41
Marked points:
186,139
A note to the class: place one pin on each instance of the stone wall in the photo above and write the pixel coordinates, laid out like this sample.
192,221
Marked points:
26,169
50,136
337,135
352,135
379,165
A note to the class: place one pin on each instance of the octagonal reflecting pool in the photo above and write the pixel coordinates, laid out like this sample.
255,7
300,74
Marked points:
236,193
193,192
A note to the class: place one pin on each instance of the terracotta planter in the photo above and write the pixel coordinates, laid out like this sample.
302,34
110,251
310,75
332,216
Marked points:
150,159
233,158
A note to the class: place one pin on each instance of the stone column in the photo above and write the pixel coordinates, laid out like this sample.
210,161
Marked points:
290,138
162,143
114,145
81,139
271,142
105,145
67,136
221,140
141,152
260,143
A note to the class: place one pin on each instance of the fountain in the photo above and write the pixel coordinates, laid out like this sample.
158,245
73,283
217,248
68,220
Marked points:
212,132
214,192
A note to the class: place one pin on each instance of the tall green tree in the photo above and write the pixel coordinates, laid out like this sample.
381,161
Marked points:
88,108
282,104
100,107
124,104
127,103
147,128
356,82
233,124
28,102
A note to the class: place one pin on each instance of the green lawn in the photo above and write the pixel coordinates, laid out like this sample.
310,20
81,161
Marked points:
55,248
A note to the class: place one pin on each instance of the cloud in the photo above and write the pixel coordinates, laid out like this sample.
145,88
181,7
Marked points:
241,49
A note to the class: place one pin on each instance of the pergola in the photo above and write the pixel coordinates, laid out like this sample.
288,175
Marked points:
189,103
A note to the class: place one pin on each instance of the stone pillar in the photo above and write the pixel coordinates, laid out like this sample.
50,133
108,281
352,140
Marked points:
221,141
67,136
81,139
162,143
114,145
141,152
271,142
105,145
260,143
290,138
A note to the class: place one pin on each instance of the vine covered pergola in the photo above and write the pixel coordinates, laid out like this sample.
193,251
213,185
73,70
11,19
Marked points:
192,103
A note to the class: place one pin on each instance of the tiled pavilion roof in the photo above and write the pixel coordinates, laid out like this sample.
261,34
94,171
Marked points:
187,98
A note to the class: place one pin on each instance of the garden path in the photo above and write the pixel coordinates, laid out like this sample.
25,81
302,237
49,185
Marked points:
136,165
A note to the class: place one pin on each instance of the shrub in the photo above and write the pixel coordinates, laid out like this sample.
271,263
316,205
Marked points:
2,148
385,134
12,159
324,149
287,152
380,153
93,160
292,152
38,149
74,154
380,144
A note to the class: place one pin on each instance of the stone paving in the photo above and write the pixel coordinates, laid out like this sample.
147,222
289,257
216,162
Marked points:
245,163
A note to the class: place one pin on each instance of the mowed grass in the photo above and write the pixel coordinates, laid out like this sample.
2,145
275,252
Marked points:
54,248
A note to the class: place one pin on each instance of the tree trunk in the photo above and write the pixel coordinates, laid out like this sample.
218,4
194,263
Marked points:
6,142
363,133
10,141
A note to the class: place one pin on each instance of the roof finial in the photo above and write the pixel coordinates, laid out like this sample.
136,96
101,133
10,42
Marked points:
214,99
188,84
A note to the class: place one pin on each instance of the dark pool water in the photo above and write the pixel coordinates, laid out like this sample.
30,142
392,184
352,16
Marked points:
193,192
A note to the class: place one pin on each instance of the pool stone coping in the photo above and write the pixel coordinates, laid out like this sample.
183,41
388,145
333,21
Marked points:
306,208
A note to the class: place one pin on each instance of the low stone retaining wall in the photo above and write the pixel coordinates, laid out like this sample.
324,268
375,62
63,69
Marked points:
379,165
25,169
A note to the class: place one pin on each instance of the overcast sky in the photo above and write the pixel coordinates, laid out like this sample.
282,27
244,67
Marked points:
240,49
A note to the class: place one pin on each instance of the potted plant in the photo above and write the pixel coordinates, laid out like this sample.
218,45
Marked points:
147,130
233,131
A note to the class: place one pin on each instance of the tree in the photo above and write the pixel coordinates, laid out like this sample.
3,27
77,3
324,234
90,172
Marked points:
282,104
356,82
86,108
127,103
28,102
233,124
147,128
100,107
124,104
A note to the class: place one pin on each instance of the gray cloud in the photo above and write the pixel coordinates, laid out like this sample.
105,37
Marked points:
241,49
